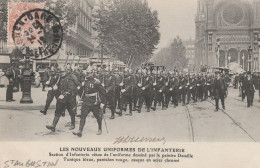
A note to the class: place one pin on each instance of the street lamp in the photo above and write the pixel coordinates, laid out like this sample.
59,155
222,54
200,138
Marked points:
243,58
249,57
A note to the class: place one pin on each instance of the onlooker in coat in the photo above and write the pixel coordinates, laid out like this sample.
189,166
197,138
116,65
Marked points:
10,74
249,89
219,90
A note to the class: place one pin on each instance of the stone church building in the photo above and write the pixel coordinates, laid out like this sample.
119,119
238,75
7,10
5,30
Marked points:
228,31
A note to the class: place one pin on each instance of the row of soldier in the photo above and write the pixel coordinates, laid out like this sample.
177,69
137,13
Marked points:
128,90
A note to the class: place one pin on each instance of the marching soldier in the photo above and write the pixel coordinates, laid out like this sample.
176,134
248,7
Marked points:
137,77
145,95
91,102
126,92
109,85
219,90
55,84
67,99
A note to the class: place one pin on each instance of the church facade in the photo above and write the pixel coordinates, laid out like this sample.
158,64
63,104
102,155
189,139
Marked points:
228,31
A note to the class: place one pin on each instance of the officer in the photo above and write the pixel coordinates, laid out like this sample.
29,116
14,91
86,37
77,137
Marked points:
55,84
91,102
249,89
219,90
67,98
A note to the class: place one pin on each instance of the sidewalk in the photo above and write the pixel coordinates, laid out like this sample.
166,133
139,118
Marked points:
38,96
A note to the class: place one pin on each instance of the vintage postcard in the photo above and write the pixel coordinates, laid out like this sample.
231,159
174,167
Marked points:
129,83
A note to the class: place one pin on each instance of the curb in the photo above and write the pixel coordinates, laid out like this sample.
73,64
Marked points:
24,107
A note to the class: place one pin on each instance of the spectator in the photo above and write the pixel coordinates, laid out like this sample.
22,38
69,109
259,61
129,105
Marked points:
37,78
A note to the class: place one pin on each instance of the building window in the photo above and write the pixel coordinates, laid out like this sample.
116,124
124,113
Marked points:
210,38
210,47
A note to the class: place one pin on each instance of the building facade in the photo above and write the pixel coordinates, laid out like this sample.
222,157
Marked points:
190,53
228,31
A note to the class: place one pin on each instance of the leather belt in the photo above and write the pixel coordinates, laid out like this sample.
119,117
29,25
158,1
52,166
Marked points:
91,95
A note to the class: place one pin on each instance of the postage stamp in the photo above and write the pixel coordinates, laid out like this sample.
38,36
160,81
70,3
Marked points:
15,10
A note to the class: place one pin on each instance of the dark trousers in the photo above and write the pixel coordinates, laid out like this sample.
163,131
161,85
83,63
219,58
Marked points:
97,112
136,95
117,96
222,98
69,103
50,96
124,100
175,97
110,102
250,98
146,97
9,92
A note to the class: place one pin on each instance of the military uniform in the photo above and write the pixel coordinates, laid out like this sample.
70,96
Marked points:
91,103
109,85
55,84
67,100
145,95
126,93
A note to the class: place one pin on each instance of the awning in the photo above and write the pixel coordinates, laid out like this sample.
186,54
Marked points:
5,59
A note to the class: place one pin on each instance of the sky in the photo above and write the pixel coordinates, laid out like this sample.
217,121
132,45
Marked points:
176,19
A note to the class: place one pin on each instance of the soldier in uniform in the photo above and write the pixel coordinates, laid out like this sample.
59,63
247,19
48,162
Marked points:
219,90
118,80
109,85
249,89
67,99
174,89
127,92
55,84
91,102
145,95
137,77
183,89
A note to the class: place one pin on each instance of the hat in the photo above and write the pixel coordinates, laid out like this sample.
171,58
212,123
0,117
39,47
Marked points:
20,66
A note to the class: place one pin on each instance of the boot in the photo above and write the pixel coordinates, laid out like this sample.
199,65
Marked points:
112,117
112,114
44,112
130,113
81,126
99,127
72,126
53,126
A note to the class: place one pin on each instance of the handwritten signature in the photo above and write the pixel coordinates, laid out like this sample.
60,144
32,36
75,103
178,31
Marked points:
30,163
129,139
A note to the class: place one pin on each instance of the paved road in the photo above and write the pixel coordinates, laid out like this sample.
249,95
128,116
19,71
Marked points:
197,122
